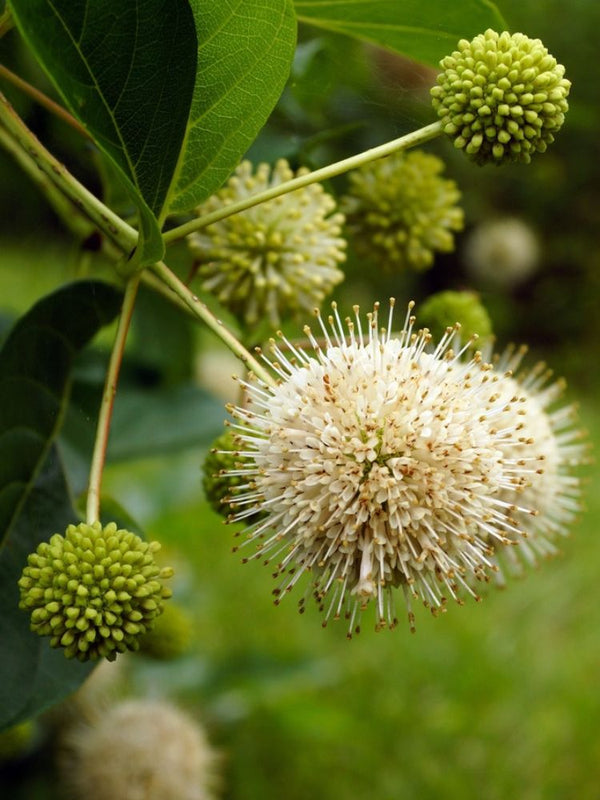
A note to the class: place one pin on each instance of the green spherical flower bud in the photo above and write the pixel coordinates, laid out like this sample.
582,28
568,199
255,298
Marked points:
444,309
275,257
501,97
17,741
400,210
221,473
170,637
94,591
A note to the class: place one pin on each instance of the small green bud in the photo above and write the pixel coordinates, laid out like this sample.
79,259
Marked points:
17,741
220,479
110,597
444,309
170,637
400,211
501,97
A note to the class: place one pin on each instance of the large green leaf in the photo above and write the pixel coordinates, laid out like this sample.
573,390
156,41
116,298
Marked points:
425,30
35,364
32,675
126,70
245,49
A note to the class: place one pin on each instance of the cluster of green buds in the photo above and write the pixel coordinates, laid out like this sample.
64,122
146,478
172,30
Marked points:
401,211
444,309
277,257
501,97
94,591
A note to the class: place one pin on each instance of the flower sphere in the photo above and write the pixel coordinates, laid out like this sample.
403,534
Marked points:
501,97
94,591
279,256
502,252
400,210
443,309
380,462
551,446
139,750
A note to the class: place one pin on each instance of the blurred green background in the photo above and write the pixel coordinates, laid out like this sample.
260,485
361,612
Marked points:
488,701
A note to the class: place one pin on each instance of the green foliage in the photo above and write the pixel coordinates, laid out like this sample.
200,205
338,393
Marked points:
245,48
35,365
32,676
116,65
423,31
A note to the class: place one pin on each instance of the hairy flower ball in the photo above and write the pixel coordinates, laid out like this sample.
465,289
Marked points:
381,462
139,750
444,309
94,591
276,257
502,252
400,211
551,447
501,97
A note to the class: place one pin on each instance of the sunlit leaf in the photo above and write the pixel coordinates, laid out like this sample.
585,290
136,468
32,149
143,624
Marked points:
245,49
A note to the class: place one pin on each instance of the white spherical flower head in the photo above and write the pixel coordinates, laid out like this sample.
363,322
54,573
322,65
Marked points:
276,257
503,252
551,444
378,464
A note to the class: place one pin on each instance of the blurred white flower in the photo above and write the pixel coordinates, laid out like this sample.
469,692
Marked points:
380,464
549,434
503,252
139,750
273,258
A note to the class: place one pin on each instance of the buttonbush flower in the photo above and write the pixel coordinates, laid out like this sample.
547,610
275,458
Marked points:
380,462
139,749
551,442
94,591
502,252
276,257
501,97
400,211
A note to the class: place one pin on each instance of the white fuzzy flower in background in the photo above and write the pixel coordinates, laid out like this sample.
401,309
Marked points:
502,252
273,258
381,462
554,439
139,750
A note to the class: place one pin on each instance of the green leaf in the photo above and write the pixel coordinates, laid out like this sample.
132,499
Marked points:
175,417
35,364
126,71
424,30
245,49
33,676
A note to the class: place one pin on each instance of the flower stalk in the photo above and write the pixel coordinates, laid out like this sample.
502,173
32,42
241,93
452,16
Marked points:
201,311
412,139
108,397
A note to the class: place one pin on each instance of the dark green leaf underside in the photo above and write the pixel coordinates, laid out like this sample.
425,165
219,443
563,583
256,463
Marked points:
126,70
35,364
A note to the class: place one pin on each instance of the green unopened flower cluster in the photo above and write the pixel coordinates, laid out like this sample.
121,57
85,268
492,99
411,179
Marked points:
276,257
170,637
442,310
501,97
400,210
94,591
219,473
